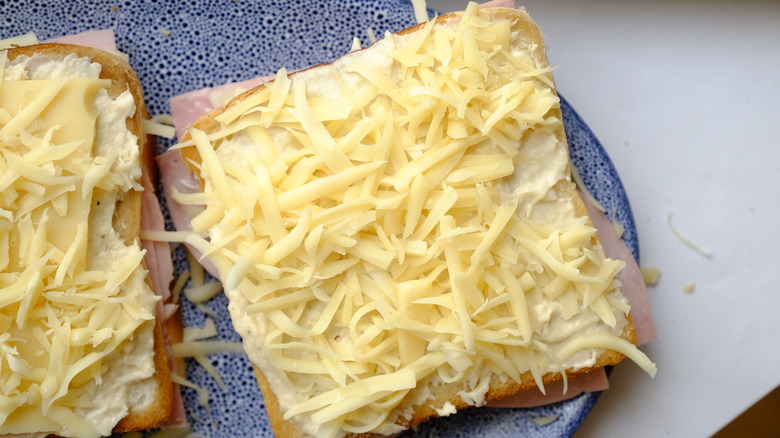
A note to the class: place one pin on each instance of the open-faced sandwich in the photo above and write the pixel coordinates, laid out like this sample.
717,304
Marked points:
82,331
398,233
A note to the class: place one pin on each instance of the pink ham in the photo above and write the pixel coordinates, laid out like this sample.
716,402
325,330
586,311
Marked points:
97,39
591,381
174,174
158,254
501,4
160,266
188,107
633,284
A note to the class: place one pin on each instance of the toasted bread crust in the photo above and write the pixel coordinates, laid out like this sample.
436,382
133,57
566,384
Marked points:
527,29
282,428
127,214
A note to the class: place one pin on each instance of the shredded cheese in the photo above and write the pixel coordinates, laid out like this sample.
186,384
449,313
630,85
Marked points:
204,348
544,421
575,174
420,10
369,250
203,393
686,240
650,275
74,303
203,293
27,39
371,36
178,285
156,126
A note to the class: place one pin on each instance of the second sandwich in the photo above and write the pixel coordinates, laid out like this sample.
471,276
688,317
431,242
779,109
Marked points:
82,350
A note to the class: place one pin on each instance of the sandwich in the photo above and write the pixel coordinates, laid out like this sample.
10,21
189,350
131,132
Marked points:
83,325
398,234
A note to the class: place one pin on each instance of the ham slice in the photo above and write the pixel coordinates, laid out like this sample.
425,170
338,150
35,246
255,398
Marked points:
501,4
175,175
633,284
160,266
592,381
188,107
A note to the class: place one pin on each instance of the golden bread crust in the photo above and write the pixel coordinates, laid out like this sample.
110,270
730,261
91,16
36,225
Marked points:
282,428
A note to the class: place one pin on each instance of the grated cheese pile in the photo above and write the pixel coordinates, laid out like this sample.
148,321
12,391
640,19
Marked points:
73,300
378,226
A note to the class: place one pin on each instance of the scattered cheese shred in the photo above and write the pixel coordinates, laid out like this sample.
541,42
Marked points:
356,45
420,10
686,240
204,348
156,127
178,286
27,39
194,334
203,393
619,228
575,174
203,293
371,36
650,275
544,421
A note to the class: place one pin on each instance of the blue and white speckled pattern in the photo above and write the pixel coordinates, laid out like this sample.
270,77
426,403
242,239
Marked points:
211,43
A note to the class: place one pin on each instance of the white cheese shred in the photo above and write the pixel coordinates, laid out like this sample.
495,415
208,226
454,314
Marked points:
575,174
544,421
27,39
420,10
686,240
650,275
156,127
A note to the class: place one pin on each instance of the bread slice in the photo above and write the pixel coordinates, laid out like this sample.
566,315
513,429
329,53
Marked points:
333,381
151,398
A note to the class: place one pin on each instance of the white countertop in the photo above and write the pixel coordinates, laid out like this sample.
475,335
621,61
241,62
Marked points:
685,99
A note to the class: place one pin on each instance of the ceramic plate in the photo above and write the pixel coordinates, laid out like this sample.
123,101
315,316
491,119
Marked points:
182,46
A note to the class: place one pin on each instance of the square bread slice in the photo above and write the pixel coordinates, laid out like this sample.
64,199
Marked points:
398,234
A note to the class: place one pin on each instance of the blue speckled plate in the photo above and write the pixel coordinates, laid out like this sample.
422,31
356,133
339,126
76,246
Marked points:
211,43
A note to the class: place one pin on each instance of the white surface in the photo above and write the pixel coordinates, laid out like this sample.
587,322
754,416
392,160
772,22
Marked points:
685,98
